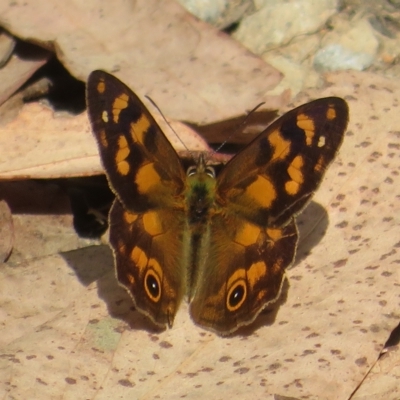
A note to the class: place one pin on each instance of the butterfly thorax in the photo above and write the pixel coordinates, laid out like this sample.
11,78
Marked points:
200,209
200,196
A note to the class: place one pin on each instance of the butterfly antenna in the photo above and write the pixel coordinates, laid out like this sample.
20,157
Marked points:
172,129
239,127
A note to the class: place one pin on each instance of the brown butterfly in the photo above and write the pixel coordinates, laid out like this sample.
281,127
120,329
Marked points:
223,241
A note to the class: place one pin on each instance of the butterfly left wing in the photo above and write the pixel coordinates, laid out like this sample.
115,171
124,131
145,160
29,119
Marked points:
147,217
252,236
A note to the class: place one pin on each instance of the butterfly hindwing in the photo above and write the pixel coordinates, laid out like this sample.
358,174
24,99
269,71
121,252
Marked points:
243,272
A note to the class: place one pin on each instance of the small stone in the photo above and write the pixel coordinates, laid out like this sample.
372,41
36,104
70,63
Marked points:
220,13
278,23
353,48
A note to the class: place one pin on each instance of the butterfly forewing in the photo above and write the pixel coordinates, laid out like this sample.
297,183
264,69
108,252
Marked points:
274,176
142,167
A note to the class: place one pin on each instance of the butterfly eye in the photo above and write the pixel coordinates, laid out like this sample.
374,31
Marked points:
152,285
191,171
236,295
210,172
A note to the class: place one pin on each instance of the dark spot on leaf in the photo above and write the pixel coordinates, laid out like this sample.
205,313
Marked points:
70,381
242,370
274,366
340,263
361,361
374,328
126,383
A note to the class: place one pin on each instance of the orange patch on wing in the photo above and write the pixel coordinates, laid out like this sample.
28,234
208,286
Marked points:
331,113
152,223
101,87
139,128
292,188
262,191
129,217
307,124
247,234
120,103
146,178
280,145
256,271
139,257
294,170
121,155
156,266
238,274
274,234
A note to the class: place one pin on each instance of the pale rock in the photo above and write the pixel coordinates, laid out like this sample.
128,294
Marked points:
279,22
220,13
296,76
353,48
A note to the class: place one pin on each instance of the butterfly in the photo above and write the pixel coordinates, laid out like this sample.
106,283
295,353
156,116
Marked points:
222,241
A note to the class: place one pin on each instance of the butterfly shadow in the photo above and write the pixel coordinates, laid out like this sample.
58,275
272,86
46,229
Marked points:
312,224
96,263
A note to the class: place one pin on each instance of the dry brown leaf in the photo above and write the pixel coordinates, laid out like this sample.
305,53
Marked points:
6,231
383,380
39,145
17,71
67,335
194,72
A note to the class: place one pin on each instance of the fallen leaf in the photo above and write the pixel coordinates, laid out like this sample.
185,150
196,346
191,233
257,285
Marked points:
68,329
194,72
6,231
